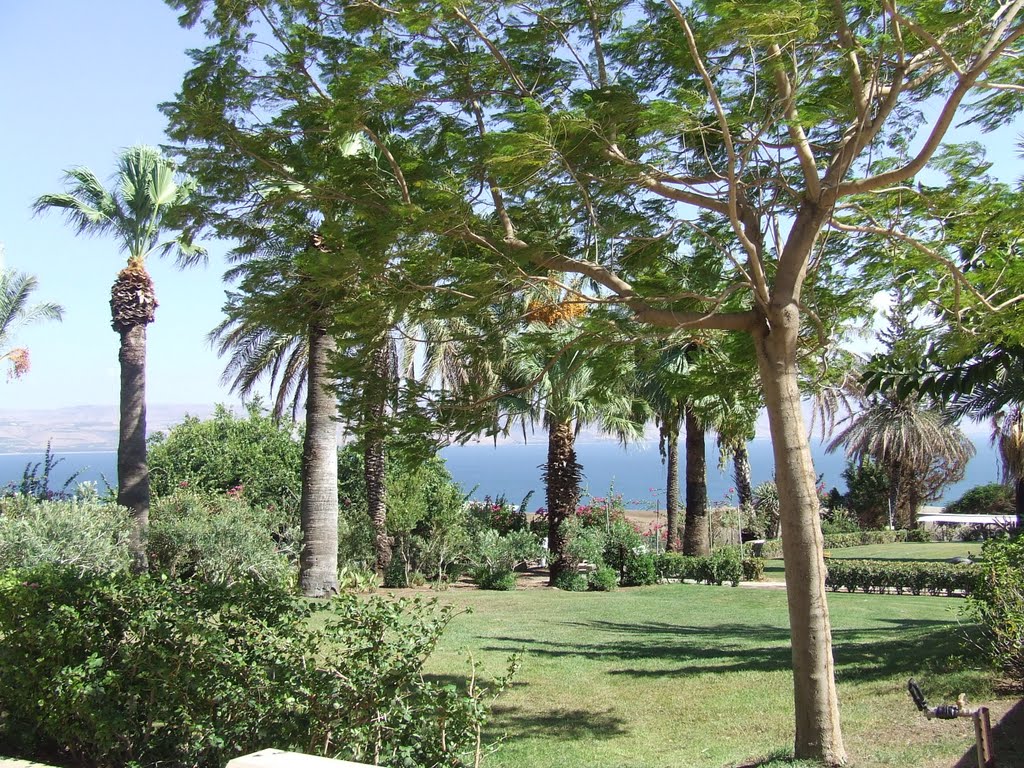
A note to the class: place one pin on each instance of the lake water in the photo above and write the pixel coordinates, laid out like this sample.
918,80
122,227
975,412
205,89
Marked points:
513,470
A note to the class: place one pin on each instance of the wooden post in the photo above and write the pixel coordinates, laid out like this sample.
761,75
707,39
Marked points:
983,736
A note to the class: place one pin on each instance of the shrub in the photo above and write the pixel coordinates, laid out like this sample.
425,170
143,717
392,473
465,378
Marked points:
639,570
86,536
604,579
252,455
998,603
570,581
124,670
622,540
919,535
35,480
753,568
498,514
765,520
867,495
914,577
583,544
219,539
990,499
494,557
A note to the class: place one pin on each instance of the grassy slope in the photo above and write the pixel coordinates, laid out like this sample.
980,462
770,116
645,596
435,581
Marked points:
688,675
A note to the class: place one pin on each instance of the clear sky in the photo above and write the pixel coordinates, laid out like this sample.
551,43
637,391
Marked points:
81,80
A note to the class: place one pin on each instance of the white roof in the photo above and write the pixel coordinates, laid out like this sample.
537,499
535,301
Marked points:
942,517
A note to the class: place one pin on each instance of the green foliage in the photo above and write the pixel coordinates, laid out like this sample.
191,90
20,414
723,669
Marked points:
639,569
722,565
764,520
497,514
772,549
35,479
604,579
494,557
838,520
252,456
220,539
583,543
990,499
998,603
124,670
85,536
753,568
867,494
571,581
914,577
622,540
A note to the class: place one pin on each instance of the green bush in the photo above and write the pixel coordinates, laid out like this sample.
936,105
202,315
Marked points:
622,541
990,499
917,578
87,536
124,670
570,581
583,544
722,565
604,579
252,456
753,568
639,570
867,495
772,549
494,557
219,539
998,603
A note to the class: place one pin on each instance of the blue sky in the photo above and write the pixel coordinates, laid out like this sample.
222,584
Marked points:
82,80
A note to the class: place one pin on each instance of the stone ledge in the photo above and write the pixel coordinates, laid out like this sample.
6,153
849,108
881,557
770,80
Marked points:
276,758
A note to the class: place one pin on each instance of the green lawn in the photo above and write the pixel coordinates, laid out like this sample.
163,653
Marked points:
938,552
690,675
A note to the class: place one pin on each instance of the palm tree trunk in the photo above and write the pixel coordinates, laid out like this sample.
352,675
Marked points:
1019,503
374,459
562,481
695,535
672,489
741,476
132,471
318,561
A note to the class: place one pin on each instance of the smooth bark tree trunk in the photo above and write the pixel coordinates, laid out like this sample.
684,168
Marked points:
672,490
816,703
132,470
695,534
318,561
741,476
562,482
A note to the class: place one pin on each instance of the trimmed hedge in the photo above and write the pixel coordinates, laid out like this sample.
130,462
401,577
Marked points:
772,549
922,578
722,566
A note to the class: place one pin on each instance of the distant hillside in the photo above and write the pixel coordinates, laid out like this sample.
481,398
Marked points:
81,428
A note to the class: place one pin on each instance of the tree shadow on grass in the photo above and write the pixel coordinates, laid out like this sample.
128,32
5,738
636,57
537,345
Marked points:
904,646
561,723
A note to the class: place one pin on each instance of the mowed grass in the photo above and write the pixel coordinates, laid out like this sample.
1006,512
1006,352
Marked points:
689,675
917,551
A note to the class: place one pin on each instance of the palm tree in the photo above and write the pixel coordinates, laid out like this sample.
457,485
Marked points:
1008,438
568,387
917,446
136,211
278,325
15,313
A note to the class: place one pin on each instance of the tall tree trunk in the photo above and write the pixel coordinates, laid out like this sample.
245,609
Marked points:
318,561
672,489
695,535
374,461
816,704
562,482
1018,503
741,477
132,470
